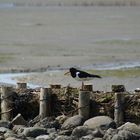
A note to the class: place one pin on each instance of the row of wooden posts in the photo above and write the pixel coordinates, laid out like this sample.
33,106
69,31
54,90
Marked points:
45,108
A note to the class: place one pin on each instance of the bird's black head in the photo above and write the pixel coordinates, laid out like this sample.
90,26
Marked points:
73,72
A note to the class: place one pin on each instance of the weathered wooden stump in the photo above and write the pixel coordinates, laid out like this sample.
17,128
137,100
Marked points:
21,86
84,100
118,88
55,86
6,103
119,106
45,102
88,87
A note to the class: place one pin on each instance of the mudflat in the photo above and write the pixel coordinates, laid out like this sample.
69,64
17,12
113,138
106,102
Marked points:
39,38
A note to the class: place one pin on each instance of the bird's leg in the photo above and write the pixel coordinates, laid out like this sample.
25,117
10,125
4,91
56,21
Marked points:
82,85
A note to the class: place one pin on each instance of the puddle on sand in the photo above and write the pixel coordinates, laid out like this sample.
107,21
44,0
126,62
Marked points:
8,78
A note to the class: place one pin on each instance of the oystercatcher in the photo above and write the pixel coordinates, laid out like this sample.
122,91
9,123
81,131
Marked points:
81,75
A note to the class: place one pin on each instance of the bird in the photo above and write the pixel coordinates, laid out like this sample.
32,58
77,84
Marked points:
81,75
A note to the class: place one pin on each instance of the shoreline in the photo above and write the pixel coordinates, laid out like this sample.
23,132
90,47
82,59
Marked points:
94,39
56,76
124,65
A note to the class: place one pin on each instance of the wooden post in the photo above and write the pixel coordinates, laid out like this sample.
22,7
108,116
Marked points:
21,86
84,100
119,101
88,88
45,102
6,103
55,86
118,88
119,110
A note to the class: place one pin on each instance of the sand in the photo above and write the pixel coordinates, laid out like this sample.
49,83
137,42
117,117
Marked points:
44,38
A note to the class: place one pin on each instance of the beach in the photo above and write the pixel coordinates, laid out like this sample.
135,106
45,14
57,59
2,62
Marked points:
49,40
40,40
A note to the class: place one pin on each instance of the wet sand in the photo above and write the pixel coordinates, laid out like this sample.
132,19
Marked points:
45,79
44,38
35,38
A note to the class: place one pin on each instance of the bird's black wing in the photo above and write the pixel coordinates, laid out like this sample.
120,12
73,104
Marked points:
83,74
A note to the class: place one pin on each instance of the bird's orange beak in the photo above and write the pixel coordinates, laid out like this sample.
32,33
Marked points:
67,73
